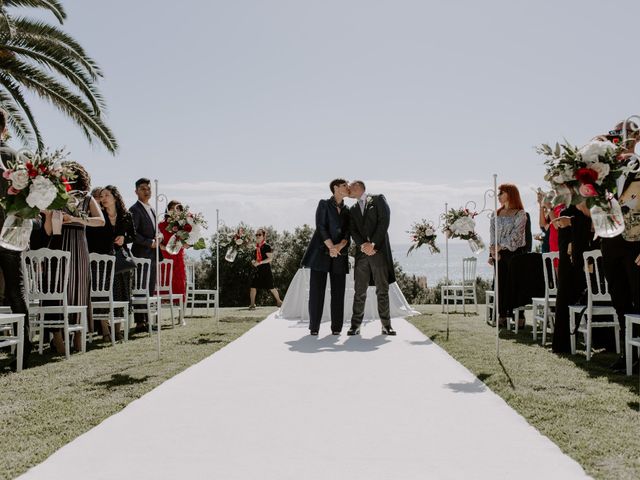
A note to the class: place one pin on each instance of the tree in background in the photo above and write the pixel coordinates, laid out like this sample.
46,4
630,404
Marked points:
38,57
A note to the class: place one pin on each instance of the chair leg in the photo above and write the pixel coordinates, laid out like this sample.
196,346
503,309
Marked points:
125,314
112,326
181,311
20,349
628,348
41,334
572,324
545,320
588,337
617,333
67,338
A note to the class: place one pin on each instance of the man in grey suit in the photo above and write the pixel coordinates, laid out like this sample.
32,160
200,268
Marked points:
370,217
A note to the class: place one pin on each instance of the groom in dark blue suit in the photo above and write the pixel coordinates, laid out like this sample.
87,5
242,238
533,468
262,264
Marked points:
145,242
327,254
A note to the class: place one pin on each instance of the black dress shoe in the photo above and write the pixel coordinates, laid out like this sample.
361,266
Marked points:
353,331
388,330
314,333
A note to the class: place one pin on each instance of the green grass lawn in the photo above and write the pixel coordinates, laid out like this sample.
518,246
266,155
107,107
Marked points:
56,400
591,413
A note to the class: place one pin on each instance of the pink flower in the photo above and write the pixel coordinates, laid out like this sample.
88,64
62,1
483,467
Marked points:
12,191
588,190
175,229
7,174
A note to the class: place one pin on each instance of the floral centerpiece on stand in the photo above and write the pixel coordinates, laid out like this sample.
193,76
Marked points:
234,243
36,182
459,223
186,228
587,174
423,233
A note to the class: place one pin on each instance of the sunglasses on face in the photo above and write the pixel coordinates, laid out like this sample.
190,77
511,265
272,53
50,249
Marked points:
259,234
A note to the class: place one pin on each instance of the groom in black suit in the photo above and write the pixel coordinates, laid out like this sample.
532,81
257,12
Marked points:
145,242
370,217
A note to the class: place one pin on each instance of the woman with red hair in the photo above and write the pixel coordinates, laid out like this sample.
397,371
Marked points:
511,241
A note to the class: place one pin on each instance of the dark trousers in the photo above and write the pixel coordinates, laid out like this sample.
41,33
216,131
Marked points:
317,289
14,296
623,275
366,267
504,302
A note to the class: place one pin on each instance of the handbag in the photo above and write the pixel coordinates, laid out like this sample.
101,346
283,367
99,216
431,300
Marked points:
124,261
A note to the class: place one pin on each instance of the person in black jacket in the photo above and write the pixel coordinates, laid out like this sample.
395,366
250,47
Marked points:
327,254
370,217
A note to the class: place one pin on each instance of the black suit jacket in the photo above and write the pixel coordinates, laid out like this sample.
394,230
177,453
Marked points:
329,225
373,226
145,232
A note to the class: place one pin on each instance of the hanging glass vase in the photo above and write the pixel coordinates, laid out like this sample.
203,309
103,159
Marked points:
15,233
608,221
173,245
231,255
476,244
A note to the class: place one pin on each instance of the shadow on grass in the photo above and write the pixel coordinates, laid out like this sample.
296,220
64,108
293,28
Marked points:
634,406
203,341
504,370
119,380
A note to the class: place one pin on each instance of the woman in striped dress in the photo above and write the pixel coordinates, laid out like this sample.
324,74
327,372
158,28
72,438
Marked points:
67,231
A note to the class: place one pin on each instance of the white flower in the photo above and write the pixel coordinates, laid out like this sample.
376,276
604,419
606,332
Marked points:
563,195
429,231
592,151
196,234
19,179
42,193
603,170
463,226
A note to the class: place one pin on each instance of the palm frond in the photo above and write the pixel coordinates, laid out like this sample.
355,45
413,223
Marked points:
54,6
14,91
17,123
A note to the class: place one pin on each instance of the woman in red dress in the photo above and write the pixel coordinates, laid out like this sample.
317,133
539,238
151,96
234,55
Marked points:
179,281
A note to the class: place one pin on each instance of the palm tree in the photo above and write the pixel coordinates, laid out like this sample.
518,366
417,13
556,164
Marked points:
38,57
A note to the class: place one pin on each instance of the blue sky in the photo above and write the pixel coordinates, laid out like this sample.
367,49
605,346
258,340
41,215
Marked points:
254,106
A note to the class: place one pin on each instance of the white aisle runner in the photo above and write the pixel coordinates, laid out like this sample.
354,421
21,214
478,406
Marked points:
277,404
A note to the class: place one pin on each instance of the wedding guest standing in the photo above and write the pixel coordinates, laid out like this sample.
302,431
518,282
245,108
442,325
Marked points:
262,275
369,225
145,240
511,241
112,239
10,264
179,278
327,254
621,254
93,233
67,231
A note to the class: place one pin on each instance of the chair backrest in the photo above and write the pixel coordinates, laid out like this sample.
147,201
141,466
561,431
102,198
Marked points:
141,274
549,261
597,287
191,275
102,268
166,276
469,270
46,274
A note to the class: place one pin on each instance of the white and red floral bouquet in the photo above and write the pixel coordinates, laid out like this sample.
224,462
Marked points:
236,242
186,229
423,233
459,223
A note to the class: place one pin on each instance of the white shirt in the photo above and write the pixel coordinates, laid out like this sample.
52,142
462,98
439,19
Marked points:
147,207
362,202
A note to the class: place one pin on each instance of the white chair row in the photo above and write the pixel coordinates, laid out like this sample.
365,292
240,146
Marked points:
209,297
460,293
8,339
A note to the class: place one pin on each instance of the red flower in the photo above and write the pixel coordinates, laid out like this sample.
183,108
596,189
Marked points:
586,175
67,187
588,190
188,228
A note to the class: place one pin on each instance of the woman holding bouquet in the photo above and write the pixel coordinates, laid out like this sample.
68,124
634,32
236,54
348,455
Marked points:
511,241
262,275
179,280
67,230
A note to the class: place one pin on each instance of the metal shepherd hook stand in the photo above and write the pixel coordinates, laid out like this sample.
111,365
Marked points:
446,271
217,268
159,197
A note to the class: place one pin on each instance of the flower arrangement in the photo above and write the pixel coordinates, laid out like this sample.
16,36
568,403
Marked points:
587,174
186,228
459,223
234,243
423,233
36,182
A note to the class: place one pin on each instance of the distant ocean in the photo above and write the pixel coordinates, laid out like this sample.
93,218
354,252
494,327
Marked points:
422,263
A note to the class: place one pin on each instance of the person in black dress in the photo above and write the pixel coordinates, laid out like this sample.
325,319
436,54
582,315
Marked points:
574,238
327,254
262,276
117,231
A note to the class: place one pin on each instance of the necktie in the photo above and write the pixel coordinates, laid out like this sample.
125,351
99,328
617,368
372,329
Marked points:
361,202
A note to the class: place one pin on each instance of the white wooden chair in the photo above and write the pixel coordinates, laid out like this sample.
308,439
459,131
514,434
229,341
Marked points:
46,279
102,275
597,291
544,307
462,292
141,301
8,339
165,291
629,340
490,304
210,296
8,328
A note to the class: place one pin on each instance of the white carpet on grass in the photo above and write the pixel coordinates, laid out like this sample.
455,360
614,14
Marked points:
279,404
